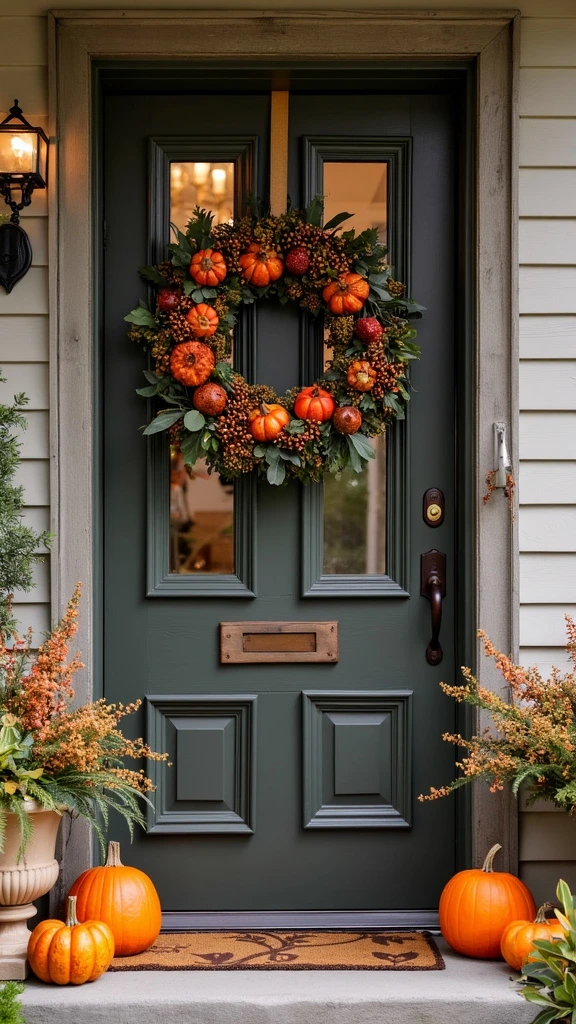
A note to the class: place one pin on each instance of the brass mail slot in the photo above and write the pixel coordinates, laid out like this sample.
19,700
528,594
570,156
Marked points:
278,641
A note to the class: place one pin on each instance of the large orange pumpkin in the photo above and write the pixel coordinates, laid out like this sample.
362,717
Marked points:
123,897
268,421
477,904
203,320
518,938
208,267
191,362
347,294
70,953
314,404
260,265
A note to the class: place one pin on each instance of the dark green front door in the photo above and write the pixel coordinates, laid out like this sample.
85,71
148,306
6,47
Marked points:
293,785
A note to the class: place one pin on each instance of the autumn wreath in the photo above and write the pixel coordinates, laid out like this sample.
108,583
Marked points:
210,410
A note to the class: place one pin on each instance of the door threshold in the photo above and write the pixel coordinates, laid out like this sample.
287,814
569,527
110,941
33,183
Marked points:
237,920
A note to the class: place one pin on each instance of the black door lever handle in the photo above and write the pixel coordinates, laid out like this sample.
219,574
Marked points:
433,587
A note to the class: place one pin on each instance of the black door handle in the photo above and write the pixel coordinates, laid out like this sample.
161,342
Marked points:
433,587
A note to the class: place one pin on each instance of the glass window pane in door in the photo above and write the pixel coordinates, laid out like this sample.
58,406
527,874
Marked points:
201,503
355,503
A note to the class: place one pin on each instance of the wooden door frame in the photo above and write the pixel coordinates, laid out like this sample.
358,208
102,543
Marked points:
77,38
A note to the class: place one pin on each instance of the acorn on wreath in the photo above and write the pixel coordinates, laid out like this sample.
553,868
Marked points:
314,404
347,419
361,375
191,362
210,399
261,266
268,421
347,294
203,320
208,267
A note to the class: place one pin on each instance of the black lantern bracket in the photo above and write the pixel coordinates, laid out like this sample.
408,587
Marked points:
23,176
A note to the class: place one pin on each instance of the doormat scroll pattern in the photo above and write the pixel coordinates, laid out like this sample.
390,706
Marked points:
287,951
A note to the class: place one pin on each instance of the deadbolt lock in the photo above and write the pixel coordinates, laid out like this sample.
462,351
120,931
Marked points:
433,507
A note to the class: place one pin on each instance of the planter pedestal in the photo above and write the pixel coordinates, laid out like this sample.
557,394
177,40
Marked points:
23,882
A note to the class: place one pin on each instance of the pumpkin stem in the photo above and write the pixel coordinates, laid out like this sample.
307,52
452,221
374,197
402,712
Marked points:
113,858
71,916
264,409
541,915
488,864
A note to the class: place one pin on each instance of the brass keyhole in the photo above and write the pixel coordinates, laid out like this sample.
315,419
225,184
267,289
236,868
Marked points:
433,513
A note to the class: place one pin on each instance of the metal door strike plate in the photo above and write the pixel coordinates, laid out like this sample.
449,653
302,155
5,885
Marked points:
242,642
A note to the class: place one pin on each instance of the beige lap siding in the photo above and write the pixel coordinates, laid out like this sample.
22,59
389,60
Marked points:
547,472
24,313
547,468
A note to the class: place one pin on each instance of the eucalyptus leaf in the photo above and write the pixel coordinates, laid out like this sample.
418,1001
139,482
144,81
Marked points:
148,392
162,422
362,445
292,457
276,473
194,420
272,455
197,295
337,220
355,460
259,451
153,274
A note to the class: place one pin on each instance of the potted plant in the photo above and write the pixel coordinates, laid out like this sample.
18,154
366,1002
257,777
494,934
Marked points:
54,758
534,741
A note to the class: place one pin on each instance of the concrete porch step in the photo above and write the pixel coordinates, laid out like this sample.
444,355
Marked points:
467,992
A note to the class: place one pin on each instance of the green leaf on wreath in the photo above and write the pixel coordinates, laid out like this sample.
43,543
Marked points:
209,293
140,316
391,402
355,460
189,287
154,275
289,456
191,447
272,455
163,421
148,392
276,473
259,451
315,211
362,445
197,295
337,220
194,420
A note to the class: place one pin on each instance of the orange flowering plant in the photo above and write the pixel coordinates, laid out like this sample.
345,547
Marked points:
65,757
535,737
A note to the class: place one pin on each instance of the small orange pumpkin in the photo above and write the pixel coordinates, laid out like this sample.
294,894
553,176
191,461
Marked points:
347,294
518,938
191,362
70,953
268,421
123,897
476,906
260,265
203,320
314,404
208,267
361,375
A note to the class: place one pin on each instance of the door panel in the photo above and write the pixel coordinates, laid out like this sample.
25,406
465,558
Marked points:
293,785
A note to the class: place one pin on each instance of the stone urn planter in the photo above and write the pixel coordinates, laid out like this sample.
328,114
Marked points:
23,882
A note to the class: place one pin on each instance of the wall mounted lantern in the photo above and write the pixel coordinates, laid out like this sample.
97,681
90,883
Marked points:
23,167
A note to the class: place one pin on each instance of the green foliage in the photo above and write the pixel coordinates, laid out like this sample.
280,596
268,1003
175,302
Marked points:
19,544
549,977
10,1005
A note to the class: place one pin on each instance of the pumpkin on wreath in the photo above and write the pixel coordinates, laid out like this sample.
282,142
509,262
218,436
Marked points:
268,421
261,266
191,362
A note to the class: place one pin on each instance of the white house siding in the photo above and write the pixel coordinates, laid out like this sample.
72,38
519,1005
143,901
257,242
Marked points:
547,371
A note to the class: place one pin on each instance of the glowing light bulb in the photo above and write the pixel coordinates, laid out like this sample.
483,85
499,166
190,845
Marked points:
22,149
219,181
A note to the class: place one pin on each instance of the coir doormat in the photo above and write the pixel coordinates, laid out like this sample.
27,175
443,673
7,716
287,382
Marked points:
287,951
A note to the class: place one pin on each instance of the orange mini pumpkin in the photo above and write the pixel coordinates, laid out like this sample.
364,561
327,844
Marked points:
70,953
347,294
203,320
476,906
518,938
314,404
208,267
191,362
260,265
361,375
123,897
268,421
